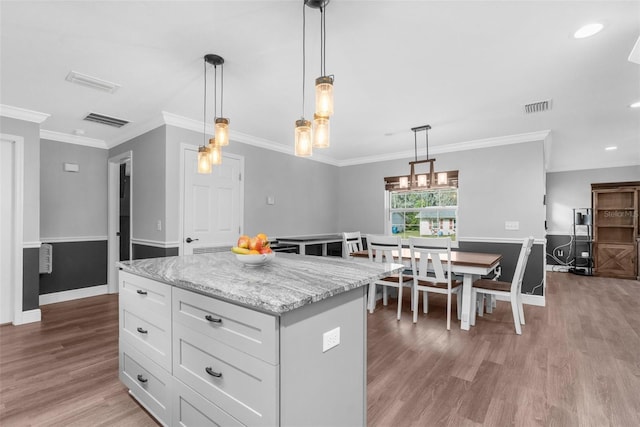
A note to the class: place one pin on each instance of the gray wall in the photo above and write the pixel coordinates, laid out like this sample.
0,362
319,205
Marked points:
72,204
31,218
305,191
572,189
497,184
149,177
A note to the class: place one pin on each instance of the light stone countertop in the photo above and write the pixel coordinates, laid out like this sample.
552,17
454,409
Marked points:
288,282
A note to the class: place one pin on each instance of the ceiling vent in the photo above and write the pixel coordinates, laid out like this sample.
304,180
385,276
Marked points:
92,82
105,120
536,107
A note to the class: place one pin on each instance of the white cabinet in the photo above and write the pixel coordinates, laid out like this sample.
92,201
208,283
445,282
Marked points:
194,360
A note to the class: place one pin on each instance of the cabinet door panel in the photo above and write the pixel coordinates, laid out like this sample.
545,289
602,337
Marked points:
616,260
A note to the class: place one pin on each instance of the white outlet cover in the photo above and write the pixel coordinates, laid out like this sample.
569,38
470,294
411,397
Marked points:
330,339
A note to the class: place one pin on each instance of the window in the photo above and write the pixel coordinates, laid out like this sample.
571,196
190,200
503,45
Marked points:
428,212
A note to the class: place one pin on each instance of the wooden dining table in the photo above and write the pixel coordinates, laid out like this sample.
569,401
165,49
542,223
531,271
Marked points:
471,265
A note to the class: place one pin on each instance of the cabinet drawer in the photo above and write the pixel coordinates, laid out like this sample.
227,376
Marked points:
147,296
239,384
192,410
246,330
150,339
147,382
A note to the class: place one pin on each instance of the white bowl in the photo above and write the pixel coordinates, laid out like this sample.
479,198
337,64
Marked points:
255,260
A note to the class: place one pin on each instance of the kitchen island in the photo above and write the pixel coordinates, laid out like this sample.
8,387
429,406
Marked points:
207,340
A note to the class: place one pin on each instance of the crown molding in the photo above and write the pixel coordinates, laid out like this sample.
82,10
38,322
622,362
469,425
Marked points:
22,114
136,130
72,139
543,135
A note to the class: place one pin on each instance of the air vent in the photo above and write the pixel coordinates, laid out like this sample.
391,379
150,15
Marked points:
105,120
536,107
92,82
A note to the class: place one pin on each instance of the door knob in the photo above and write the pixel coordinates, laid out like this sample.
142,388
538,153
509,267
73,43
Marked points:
189,240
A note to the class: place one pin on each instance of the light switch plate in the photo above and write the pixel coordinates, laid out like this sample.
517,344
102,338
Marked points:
512,225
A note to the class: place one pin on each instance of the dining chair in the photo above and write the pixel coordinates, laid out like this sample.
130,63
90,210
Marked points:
432,273
504,290
351,242
381,250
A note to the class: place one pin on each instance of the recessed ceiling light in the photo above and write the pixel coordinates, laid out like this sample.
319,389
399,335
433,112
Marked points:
635,105
588,30
613,147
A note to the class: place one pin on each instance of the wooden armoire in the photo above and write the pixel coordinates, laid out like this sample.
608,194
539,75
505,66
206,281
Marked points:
616,229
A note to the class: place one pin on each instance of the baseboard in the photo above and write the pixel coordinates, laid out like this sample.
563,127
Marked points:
538,300
31,316
72,294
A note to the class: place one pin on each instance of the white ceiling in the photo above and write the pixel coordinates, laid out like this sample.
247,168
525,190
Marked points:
465,68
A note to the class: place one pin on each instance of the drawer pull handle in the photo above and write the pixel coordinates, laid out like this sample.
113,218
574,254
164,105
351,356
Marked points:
141,292
142,331
210,318
142,379
212,372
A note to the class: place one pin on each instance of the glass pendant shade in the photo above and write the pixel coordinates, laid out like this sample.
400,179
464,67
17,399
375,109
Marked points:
222,131
442,178
324,96
303,138
404,182
320,132
215,152
422,180
204,161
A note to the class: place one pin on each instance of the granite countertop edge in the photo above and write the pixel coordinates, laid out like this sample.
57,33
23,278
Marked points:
156,269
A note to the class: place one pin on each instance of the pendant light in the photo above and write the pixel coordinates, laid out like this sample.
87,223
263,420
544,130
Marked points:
204,156
421,179
324,83
215,152
320,131
221,123
303,136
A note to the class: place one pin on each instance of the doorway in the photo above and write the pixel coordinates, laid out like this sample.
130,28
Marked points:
120,215
212,204
11,227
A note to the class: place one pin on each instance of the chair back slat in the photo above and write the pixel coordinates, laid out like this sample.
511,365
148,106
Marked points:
381,248
518,275
351,242
427,256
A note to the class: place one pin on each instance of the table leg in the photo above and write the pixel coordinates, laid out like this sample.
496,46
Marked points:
302,249
467,282
324,249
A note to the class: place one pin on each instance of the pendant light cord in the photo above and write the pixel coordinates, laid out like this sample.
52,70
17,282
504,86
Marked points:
204,117
221,89
303,53
323,41
215,92
426,132
415,145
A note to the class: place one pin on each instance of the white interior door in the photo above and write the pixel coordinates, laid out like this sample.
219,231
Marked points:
213,203
6,235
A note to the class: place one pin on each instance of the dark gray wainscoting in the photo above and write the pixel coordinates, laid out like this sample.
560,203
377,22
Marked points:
561,242
144,251
533,274
75,265
30,280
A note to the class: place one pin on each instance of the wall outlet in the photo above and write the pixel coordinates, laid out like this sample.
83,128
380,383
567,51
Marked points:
271,200
159,225
330,339
512,225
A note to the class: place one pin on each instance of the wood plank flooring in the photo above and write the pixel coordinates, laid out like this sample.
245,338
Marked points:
577,363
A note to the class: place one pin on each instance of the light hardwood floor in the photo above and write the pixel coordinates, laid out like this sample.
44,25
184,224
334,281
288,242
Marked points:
576,363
